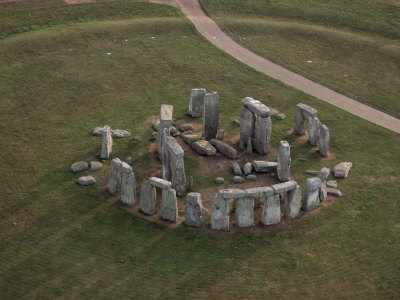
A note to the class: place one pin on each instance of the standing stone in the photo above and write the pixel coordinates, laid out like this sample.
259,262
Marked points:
247,168
114,182
219,213
244,212
165,156
193,209
148,198
323,174
249,149
128,191
323,193
299,121
247,123
313,130
271,213
165,123
284,161
211,115
176,166
262,134
323,140
196,103
293,203
106,142
169,205
311,193
220,135
191,184
236,169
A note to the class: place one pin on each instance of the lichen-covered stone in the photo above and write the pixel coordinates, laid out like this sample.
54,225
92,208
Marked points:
196,103
323,193
169,205
284,161
147,198
261,166
293,203
342,170
204,147
191,138
311,193
247,123
260,192
86,180
237,179
256,107
106,142
219,217
79,166
224,148
271,213
95,165
193,209
313,130
262,134
323,174
244,212
128,190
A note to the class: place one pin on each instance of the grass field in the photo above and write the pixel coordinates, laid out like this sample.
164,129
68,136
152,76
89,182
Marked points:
351,47
61,240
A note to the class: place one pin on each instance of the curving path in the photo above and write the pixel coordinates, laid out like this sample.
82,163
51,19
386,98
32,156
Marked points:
210,30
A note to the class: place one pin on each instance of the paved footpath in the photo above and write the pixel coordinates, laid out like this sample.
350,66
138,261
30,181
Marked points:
210,30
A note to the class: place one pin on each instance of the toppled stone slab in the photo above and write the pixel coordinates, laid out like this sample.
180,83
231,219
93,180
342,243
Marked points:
244,212
260,192
247,168
160,183
284,187
237,179
86,180
342,170
185,127
147,198
191,138
323,193
333,192
256,107
219,218
193,209
311,193
284,161
293,203
204,147
332,184
219,180
261,166
236,169
211,115
118,133
95,165
196,103
323,174
251,177
224,148
271,213
187,132
79,166
231,194
169,205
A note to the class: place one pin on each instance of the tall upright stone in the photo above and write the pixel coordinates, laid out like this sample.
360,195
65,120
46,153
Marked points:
169,205
128,191
262,134
196,103
293,203
176,167
106,142
299,121
114,182
211,115
244,212
271,213
219,213
323,140
247,124
193,209
284,161
311,193
147,198
313,130
165,123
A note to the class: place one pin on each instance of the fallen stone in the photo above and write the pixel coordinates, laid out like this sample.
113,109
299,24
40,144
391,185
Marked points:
211,115
271,213
323,193
196,103
160,183
114,182
311,172
97,131
236,169
95,165
284,161
251,177
256,107
187,132
147,198
224,148
193,209
231,194
280,116
311,193
323,174
247,168
219,218
169,205
154,136
244,212
106,142
86,180
220,135
219,180
293,203
79,166
185,127
237,179
261,166
284,187
332,184
333,192
119,133
191,138
342,170
204,147
260,192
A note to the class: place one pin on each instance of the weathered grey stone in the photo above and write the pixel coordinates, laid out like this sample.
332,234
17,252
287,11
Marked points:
114,182
219,180
165,123
173,130
95,165
196,103
323,140
154,136
220,135
284,161
308,110
79,166
293,203
232,193
284,187
249,149
185,127
193,209
247,168
211,115
260,192
261,166
236,169
342,170
271,213
311,172
191,184
333,192
280,116
244,212
86,180
251,177
323,174
262,134
97,131
313,130
274,112
156,125
128,190
120,133
147,198
237,179
204,147
224,148
106,142
174,170
311,193
332,184
219,218
191,138
237,122
169,205
247,124
129,160
160,183
187,132
323,193
299,121
256,107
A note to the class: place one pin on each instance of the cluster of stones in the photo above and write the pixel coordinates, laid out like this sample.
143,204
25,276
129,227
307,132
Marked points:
255,126
80,166
318,132
126,184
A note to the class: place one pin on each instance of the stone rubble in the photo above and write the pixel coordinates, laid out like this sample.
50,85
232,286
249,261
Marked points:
79,166
333,192
332,184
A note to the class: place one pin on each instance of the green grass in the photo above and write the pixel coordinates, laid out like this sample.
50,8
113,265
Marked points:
70,241
351,52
